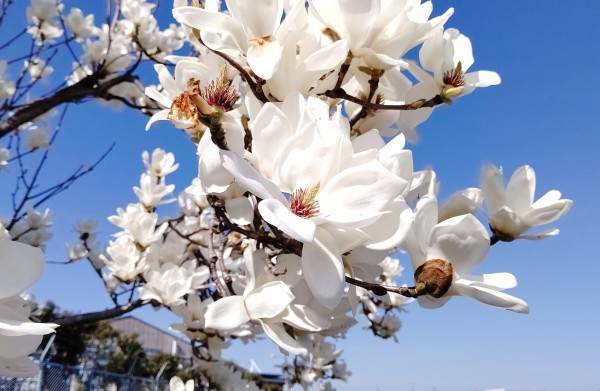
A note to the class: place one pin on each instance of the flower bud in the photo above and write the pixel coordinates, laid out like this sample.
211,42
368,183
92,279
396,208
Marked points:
436,276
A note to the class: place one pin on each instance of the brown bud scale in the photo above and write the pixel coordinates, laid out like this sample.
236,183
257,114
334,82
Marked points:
436,274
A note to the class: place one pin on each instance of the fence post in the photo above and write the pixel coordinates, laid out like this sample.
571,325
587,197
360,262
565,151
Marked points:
40,376
157,378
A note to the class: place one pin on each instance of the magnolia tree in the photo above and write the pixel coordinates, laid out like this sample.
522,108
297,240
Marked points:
306,195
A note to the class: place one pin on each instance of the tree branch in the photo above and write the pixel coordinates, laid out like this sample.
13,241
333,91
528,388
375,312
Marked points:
93,317
89,86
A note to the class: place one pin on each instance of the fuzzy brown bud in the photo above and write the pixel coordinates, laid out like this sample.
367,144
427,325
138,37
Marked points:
436,276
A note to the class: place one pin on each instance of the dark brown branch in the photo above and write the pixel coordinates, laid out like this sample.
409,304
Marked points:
381,290
340,93
93,317
288,245
89,86
373,85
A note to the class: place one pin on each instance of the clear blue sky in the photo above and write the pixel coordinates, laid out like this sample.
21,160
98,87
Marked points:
545,113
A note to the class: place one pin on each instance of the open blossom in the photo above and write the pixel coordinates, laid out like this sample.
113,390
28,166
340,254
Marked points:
138,223
168,283
124,260
7,87
81,26
448,55
160,164
192,92
42,15
38,69
442,255
379,32
249,29
38,138
20,266
512,210
333,193
151,191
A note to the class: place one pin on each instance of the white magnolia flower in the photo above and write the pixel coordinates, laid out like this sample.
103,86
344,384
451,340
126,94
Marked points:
38,138
167,283
38,69
460,203
151,191
250,29
176,384
333,193
258,303
37,220
20,266
4,155
190,92
109,49
7,87
138,223
379,32
124,261
450,249
81,26
161,164
512,210
447,54
42,15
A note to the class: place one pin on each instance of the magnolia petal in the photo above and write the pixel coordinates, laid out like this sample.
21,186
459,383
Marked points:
461,240
520,189
460,203
216,22
492,185
323,269
547,199
496,281
359,193
162,115
547,213
260,18
268,300
271,129
482,79
20,266
508,222
15,347
286,342
305,318
326,58
226,313
249,178
491,297
425,218
541,235
240,210
264,58
367,141
214,177
390,229
274,212
430,302
20,367
13,323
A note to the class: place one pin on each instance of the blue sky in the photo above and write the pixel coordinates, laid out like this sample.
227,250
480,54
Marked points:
545,114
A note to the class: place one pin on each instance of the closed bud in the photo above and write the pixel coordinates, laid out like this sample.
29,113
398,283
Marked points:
436,276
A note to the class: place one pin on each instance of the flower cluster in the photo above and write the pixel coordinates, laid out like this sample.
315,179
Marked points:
306,196
306,188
